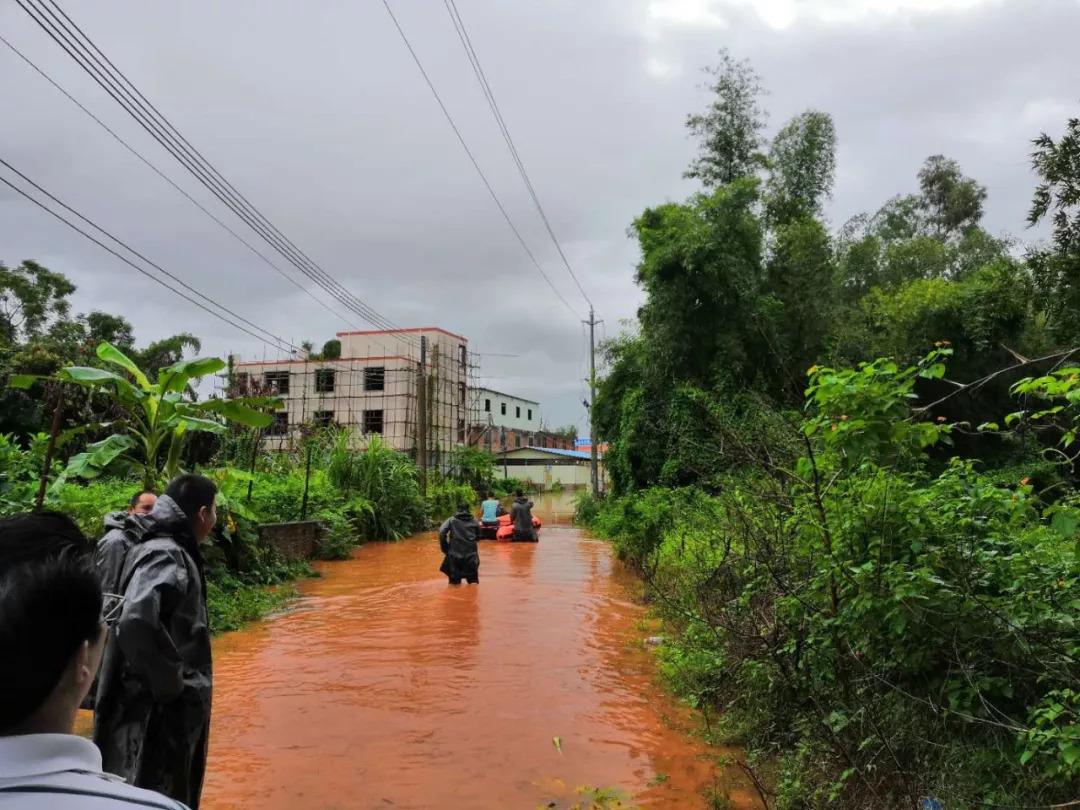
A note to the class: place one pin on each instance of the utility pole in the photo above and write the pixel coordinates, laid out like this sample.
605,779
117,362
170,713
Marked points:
592,403
422,416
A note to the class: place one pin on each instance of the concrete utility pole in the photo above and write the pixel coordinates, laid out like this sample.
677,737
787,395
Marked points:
422,416
592,403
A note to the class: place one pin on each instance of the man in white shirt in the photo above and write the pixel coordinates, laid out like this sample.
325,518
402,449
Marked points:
52,631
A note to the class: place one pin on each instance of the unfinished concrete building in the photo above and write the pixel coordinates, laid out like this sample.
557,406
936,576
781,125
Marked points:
374,388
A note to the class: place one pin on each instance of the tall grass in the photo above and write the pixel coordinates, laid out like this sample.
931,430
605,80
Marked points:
385,478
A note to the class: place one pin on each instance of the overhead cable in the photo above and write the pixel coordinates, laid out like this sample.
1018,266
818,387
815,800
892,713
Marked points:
493,104
62,30
270,339
472,159
172,183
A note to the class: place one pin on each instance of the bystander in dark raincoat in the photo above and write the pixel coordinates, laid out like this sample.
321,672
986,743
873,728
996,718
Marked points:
122,530
521,513
457,539
152,718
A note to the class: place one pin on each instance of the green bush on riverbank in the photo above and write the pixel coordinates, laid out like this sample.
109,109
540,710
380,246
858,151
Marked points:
361,495
874,624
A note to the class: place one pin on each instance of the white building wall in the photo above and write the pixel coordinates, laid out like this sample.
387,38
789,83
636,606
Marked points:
503,410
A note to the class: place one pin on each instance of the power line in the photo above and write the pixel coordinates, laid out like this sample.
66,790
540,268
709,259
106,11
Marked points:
280,342
172,183
472,158
98,66
493,104
159,127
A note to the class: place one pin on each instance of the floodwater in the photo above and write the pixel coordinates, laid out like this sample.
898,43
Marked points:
386,688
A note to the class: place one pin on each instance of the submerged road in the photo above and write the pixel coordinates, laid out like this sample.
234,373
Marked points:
386,688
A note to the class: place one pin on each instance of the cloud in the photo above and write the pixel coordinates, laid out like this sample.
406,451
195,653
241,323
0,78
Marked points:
692,13
662,69
317,113
783,14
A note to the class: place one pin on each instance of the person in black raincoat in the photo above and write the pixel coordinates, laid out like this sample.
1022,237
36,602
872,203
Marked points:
521,513
152,719
457,539
122,529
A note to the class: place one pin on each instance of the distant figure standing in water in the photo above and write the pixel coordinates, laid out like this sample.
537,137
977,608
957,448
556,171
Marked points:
457,539
521,513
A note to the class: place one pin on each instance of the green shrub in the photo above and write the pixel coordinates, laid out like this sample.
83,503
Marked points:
444,496
232,603
874,627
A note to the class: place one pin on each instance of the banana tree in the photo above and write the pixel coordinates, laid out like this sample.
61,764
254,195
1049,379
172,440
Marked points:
156,415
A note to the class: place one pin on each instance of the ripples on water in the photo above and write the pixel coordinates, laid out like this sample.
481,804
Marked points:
389,689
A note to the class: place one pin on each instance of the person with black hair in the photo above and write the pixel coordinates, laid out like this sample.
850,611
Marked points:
52,633
457,539
152,720
521,513
122,529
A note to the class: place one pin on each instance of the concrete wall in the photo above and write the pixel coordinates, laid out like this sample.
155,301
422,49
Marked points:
294,541
544,469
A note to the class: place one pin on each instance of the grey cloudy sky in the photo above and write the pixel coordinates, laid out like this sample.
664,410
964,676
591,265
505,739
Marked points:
316,112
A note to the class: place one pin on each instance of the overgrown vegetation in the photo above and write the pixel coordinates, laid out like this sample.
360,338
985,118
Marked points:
359,493
869,570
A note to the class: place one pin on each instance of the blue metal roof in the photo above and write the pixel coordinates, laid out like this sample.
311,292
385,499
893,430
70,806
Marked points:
578,454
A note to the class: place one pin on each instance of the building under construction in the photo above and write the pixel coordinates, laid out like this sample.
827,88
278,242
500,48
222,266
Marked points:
409,386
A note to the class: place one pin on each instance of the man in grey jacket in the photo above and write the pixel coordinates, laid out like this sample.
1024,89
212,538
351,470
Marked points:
153,706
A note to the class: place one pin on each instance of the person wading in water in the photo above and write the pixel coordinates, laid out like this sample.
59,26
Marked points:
521,512
457,539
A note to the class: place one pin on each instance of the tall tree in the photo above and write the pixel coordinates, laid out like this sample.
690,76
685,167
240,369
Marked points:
802,165
729,130
167,351
802,279
701,273
952,202
1056,270
30,297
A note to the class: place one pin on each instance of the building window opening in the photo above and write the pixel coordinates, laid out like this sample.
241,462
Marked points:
503,407
277,381
463,356
324,381
280,425
375,379
461,431
373,422
322,419
461,392
530,414
517,412
487,405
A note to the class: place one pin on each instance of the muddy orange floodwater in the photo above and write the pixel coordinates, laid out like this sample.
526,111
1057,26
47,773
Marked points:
386,688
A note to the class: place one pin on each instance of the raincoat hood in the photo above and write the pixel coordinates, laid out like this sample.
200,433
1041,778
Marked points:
166,518
116,520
